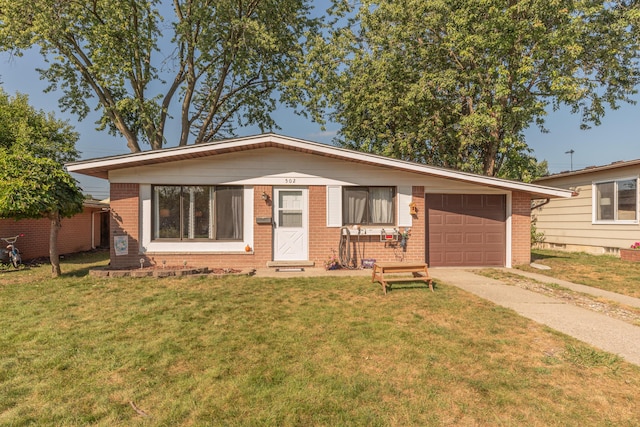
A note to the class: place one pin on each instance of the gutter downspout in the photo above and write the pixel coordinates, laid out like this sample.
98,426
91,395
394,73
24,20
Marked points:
540,205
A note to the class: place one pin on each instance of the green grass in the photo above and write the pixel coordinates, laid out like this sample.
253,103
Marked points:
599,271
250,351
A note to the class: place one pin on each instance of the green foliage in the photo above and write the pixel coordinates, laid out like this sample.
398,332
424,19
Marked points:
35,187
588,357
523,167
456,82
537,237
217,63
25,129
33,146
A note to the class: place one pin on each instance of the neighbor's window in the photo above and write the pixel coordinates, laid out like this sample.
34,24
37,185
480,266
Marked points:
616,200
197,212
368,205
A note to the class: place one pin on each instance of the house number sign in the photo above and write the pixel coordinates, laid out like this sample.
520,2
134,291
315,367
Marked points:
289,180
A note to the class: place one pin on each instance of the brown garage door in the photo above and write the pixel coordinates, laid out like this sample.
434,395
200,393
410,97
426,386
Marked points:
466,230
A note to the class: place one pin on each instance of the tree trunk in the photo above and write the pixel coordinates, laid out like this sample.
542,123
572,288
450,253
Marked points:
54,257
491,150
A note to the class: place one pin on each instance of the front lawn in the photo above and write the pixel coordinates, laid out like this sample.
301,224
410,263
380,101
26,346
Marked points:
253,351
600,271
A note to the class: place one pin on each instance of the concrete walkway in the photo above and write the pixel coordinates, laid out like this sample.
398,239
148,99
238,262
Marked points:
598,330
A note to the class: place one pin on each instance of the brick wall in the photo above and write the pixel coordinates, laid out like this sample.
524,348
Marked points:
323,240
520,228
124,222
262,233
74,236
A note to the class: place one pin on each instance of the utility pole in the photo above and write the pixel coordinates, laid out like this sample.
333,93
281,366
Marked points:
570,152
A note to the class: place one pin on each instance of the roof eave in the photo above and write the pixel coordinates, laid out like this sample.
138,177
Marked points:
591,169
100,167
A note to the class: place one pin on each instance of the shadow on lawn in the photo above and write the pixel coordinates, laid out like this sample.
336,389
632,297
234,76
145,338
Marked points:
89,257
536,257
10,269
396,287
79,272
73,265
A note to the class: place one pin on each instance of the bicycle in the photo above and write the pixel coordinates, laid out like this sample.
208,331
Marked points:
14,253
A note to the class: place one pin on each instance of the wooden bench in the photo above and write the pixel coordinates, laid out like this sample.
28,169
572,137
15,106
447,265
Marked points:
418,272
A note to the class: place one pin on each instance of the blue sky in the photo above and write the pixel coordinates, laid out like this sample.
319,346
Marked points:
618,138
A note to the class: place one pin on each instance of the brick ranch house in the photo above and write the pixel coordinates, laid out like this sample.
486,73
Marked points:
85,231
271,200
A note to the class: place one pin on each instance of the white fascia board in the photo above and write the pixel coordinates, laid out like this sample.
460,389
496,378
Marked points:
444,173
120,162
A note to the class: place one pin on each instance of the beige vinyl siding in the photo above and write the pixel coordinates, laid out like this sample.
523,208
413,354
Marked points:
569,222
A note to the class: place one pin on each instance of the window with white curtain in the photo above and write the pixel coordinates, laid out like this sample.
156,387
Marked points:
616,201
197,212
368,205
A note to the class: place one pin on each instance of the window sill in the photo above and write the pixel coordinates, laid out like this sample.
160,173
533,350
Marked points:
150,252
615,222
209,247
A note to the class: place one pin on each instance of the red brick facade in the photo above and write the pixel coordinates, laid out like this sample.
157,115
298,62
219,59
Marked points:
74,236
323,241
124,222
520,228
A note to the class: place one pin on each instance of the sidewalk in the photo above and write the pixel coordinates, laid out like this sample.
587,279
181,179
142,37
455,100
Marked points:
599,330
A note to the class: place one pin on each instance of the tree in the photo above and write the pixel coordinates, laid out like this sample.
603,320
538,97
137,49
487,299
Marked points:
23,129
456,82
33,182
221,61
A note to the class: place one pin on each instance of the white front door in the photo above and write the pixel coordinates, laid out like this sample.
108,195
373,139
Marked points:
290,235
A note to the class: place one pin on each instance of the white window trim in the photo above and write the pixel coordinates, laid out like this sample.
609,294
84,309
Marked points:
149,245
404,195
334,206
594,201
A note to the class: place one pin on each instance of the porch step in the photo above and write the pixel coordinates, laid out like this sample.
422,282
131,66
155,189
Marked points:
290,264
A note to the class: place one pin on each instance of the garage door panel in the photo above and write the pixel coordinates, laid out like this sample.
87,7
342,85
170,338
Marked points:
494,258
466,230
473,201
474,238
495,201
453,258
453,219
472,220
452,202
473,258
454,238
436,219
494,238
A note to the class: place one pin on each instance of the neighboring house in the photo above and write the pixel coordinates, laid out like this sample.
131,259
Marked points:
271,200
82,232
602,217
